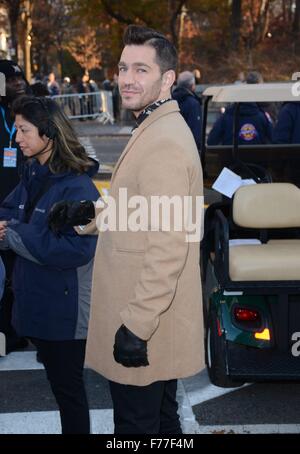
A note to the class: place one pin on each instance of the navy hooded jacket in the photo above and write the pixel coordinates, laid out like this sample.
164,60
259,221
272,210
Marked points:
52,274
287,129
190,109
2,278
254,126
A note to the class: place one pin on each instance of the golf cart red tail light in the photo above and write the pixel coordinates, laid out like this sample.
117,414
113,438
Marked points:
246,315
219,328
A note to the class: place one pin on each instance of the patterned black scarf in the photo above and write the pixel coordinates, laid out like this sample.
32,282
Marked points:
146,112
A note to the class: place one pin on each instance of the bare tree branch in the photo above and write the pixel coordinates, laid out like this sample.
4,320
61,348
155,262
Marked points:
116,15
173,21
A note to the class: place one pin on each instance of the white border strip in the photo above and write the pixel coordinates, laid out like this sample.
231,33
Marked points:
250,429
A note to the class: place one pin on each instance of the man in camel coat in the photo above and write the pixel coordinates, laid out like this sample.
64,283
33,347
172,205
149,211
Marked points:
145,327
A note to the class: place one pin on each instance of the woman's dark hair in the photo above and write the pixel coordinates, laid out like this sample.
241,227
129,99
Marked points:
166,54
39,89
47,116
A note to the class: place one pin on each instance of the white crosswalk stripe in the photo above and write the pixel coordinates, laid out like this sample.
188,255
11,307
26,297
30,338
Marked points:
87,144
89,147
48,422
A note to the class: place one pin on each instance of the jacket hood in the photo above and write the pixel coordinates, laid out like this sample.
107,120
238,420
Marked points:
92,171
34,168
180,93
246,109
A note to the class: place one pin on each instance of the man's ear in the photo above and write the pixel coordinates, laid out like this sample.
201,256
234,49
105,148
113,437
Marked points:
168,79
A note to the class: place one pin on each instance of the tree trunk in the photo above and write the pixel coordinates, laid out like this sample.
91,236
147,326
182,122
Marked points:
296,22
176,8
236,20
13,14
14,40
296,28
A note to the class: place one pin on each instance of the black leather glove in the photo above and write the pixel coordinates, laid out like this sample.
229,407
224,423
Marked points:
66,214
130,350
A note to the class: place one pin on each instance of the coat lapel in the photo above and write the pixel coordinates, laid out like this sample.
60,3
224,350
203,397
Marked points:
164,109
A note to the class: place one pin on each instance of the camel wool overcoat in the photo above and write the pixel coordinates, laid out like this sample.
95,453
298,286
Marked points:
150,280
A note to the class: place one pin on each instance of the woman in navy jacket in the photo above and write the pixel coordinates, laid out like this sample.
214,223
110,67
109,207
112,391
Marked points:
52,274
287,129
255,126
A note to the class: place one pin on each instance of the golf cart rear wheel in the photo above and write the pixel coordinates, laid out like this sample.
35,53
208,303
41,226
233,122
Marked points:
216,355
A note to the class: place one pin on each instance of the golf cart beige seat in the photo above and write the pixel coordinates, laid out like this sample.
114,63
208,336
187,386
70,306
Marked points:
266,206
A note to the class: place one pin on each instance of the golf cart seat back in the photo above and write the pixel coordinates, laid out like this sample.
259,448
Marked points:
275,205
266,206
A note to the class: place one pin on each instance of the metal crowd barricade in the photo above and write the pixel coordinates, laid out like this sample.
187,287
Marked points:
91,105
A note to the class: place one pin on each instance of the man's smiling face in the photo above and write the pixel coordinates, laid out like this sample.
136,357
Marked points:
140,79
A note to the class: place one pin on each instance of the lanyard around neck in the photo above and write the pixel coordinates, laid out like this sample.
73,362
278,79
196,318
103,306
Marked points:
10,131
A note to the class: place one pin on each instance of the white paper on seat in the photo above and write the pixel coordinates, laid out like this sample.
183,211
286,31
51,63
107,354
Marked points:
228,182
248,181
243,241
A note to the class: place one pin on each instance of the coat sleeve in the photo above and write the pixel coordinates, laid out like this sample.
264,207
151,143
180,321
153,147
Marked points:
91,228
284,127
2,278
68,250
164,173
191,112
270,131
9,208
217,133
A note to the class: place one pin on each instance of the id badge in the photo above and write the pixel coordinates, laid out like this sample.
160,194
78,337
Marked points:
10,157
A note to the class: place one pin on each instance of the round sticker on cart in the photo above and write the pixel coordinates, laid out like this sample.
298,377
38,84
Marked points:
248,132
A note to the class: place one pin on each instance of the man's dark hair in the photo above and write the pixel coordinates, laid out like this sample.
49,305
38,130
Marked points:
166,54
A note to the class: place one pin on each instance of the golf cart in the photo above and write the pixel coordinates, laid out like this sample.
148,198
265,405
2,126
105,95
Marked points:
251,255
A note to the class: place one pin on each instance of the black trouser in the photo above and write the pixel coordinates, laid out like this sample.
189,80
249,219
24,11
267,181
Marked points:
150,409
64,361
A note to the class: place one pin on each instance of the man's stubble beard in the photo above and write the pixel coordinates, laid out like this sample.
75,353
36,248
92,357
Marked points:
156,89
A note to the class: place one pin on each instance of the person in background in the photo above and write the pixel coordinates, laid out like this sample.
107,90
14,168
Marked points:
287,128
39,89
146,329
198,88
107,85
2,286
66,88
241,78
10,169
86,102
189,104
16,85
287,131
197,75
2,272
116,98
52,85
255,125
52,274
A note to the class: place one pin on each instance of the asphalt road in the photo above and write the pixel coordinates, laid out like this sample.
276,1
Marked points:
27,404
108,149
262,403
